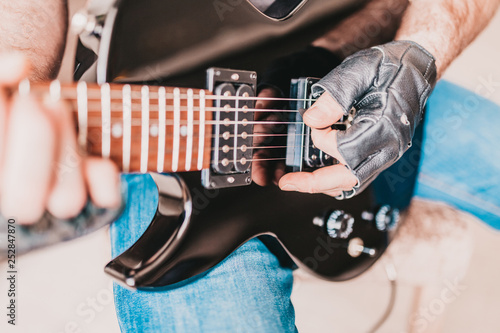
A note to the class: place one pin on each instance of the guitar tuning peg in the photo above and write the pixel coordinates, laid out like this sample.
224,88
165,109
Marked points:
83,22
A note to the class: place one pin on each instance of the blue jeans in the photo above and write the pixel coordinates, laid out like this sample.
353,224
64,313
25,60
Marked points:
250,291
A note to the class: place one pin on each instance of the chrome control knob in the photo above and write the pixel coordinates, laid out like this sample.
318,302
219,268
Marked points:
339,224
387,218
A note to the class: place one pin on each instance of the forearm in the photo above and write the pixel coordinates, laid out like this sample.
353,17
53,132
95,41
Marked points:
445,27
373,24
36,28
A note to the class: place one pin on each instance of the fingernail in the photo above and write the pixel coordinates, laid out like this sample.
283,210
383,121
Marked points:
289,187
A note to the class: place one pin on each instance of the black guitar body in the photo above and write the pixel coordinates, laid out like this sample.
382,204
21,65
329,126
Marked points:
223,220
173,42
152,40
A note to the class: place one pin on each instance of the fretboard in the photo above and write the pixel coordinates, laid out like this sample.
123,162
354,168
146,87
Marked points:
140,128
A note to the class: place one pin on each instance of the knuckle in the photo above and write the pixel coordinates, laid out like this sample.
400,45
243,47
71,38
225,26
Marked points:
311,183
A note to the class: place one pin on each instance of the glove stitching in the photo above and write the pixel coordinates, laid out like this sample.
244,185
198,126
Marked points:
369,96
372,119
427,69
423,97
418,46
431,58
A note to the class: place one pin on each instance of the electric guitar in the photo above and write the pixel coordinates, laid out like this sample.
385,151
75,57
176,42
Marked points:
198,143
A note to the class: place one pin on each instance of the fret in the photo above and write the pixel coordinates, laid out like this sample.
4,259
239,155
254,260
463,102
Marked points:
55,90
170,132
190,131
24,88
83,113
144,128
201,133
127,126
177,127
106,120
162,115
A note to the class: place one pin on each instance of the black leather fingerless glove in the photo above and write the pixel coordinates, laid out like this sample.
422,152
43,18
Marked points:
310,62
388,85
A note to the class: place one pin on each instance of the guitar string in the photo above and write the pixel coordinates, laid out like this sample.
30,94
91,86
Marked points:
117,108
212,108
137,123
255,135
227,136
254,148
117,94
247,160
257,148
153,95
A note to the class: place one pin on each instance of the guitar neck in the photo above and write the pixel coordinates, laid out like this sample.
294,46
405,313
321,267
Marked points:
140,128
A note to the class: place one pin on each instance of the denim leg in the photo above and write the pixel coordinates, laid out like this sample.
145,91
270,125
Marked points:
460,158
248,292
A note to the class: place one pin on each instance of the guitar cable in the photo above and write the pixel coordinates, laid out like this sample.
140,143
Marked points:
390,271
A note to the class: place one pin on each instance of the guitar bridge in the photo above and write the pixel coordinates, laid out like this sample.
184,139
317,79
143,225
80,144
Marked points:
301,153
233,128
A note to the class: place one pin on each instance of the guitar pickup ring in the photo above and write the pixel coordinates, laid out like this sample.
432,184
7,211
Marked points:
302,154
233,129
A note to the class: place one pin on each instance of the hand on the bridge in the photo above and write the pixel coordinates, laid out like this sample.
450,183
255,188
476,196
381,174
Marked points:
388,85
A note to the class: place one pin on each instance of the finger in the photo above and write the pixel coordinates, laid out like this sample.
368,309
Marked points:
68,195
326,140
279,172
332,178
3,129
103,182
323,113
266,172
29,157
266,129
260,170
13,68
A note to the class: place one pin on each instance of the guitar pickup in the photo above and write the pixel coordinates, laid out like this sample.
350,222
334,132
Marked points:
233,117
301,154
